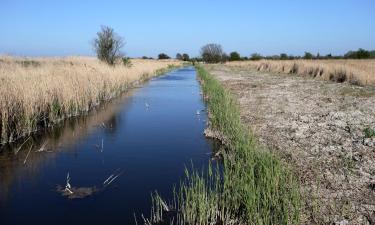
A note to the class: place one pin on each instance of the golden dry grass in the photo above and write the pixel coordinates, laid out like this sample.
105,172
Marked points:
37,92
361,72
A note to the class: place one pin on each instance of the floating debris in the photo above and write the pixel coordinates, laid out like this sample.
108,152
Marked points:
82,192
198,112
147,105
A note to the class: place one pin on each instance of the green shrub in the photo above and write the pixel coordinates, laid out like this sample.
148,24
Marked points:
163,56
234,56
127,62
369,133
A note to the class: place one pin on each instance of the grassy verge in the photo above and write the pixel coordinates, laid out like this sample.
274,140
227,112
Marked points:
39,93
253,186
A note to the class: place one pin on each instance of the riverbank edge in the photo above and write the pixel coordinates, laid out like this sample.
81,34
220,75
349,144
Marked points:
45,122
254,186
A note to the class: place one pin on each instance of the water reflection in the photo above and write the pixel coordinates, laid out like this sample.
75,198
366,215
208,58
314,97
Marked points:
150,145
27,155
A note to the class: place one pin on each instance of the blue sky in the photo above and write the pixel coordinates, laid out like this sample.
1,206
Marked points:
57,27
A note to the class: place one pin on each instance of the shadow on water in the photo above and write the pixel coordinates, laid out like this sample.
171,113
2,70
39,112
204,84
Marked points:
116,156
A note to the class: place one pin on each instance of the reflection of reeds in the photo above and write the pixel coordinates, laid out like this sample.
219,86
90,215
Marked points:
358,72
40,93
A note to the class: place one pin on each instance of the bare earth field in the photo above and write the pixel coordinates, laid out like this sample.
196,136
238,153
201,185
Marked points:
323,129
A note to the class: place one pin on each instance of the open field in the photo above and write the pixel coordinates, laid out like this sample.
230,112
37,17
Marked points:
360,72
38,92
324,130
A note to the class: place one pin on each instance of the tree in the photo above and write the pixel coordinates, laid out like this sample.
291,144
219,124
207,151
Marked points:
283,56
308,55
212,53
178,56
107,45
163,56
185,57
363,54
256,56
234,56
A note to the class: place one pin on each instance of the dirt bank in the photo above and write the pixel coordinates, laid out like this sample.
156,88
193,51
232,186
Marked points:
324,129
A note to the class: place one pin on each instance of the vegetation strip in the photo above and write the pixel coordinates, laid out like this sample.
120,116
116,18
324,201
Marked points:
253,187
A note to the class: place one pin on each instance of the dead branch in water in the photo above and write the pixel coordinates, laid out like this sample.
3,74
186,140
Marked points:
82,192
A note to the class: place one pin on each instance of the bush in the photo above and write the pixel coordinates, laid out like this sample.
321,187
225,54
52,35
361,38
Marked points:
360,54
256,56
127,62
283,56
308,55
185,57
234,56
108,45
163,56
178,56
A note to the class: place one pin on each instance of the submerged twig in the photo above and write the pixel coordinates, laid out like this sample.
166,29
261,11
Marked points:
24,162
19,148
43,147
111,178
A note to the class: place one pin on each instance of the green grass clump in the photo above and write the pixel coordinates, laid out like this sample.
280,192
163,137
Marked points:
253,186
369,133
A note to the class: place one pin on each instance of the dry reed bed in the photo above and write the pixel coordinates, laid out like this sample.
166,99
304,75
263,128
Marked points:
359,72
38,92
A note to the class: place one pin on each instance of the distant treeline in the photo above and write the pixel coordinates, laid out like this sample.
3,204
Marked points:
359,54
235,56
213,53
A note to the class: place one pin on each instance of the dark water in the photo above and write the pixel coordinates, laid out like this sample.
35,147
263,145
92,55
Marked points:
150,146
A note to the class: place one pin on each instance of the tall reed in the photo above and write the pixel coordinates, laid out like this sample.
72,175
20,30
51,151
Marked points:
39,92
253,186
